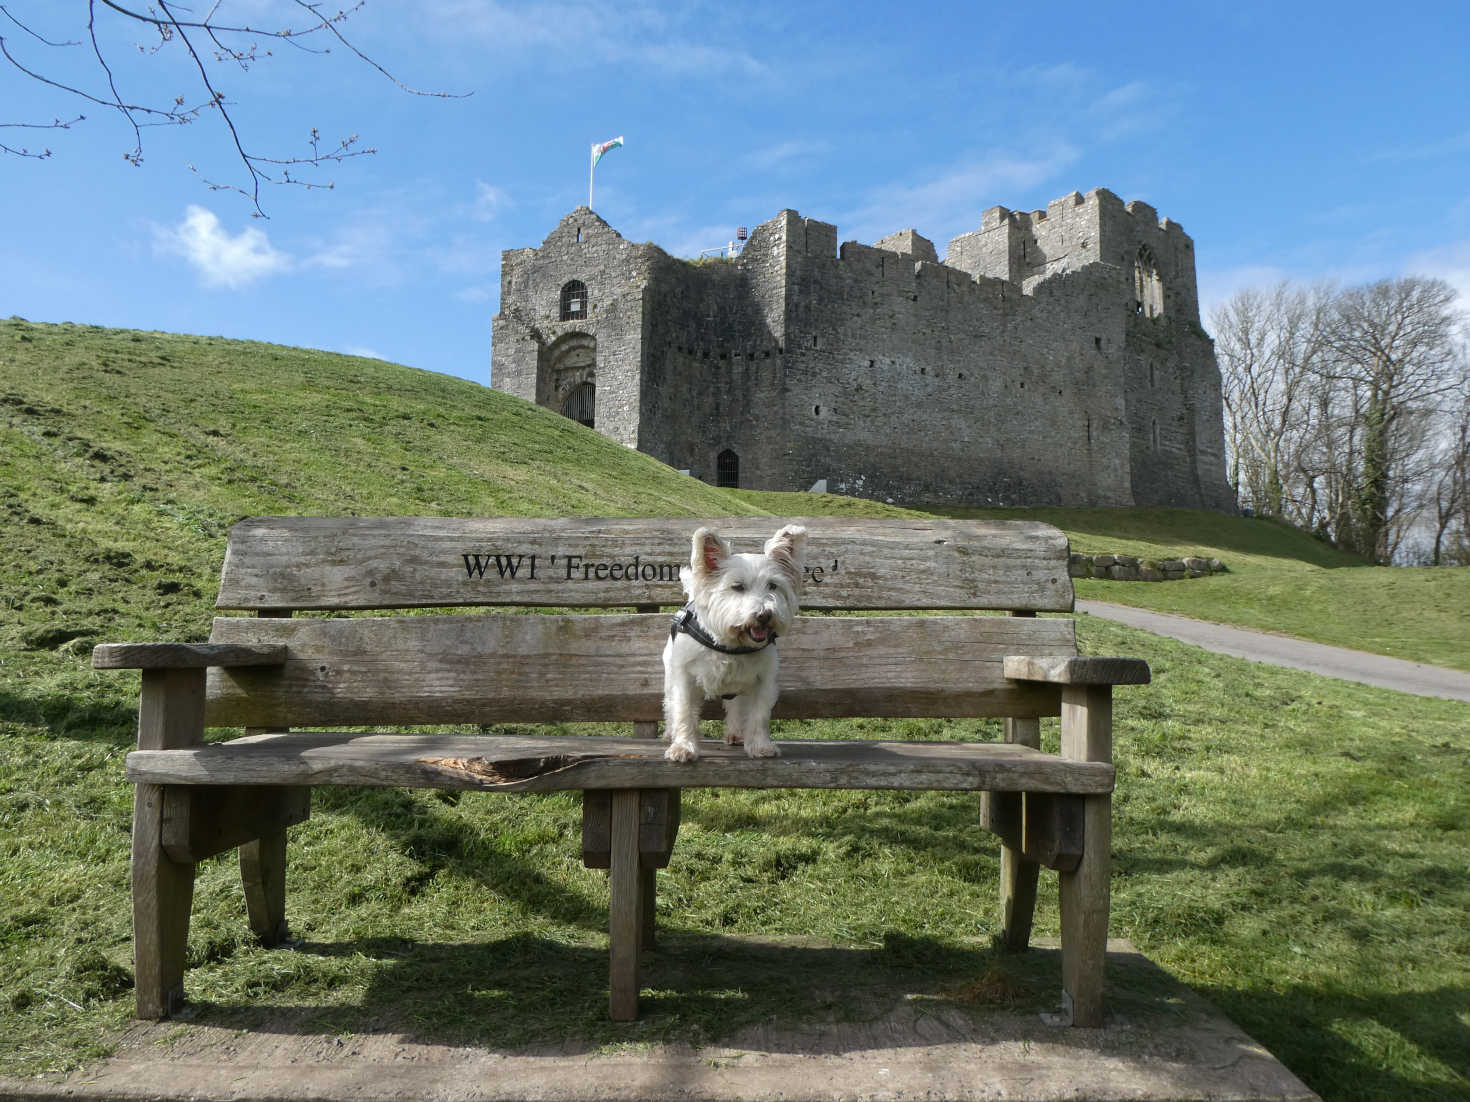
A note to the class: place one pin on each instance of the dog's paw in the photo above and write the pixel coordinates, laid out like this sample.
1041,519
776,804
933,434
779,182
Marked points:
763,749
681,751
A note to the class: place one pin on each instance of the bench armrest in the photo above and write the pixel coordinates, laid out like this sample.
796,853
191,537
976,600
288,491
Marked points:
185,656
1075,670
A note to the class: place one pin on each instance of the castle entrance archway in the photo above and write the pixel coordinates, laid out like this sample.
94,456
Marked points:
572,369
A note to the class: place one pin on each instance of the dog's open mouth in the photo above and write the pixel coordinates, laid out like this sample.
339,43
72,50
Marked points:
758,632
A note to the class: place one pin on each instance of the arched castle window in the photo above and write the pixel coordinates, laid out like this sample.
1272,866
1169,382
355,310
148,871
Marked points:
581,404
727,470
573,300
1148,288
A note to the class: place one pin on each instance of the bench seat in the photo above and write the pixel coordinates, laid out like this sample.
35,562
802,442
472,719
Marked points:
559,763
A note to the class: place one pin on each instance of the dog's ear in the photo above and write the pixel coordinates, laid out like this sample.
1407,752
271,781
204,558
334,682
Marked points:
708,553
787,548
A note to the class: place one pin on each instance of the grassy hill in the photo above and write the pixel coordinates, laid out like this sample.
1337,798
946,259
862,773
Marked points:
1281,579
1291,846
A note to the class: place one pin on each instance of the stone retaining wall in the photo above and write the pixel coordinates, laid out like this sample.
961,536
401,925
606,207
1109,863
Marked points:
1130,568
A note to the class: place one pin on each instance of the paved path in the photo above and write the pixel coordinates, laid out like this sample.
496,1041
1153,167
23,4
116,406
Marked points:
907,1039
1282,650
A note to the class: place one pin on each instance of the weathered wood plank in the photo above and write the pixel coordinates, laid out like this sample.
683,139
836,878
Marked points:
1037,828
1083,894
414,562
182,656
658,825
170,716
509,763
263,876
625,910
201,822
520,669
1077,670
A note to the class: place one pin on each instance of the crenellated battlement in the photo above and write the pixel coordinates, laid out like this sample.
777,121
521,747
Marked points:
1151,258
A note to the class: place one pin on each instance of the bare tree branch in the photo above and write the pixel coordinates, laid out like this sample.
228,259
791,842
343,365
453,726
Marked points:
208,41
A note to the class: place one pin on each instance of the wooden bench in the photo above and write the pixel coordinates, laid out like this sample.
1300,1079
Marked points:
447,669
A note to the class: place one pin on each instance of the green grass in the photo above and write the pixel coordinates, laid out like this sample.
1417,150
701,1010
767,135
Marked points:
1292,847
1281,579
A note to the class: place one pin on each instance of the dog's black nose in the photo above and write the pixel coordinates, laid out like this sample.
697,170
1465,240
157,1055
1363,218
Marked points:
764,617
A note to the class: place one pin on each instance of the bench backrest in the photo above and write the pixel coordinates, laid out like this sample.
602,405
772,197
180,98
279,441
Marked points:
458,668
346,564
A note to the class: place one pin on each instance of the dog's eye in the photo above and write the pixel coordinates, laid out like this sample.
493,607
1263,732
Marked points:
738,587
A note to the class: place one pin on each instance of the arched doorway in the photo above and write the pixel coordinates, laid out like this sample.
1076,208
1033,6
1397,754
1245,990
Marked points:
727,470
570,377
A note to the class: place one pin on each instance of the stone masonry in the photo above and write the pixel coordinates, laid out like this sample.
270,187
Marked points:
1054,358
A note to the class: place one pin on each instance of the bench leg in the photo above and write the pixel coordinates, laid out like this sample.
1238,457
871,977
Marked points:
626,914
170,715
163,891
647,899
263,870
1084,898
1018,876
1018,879
1087,735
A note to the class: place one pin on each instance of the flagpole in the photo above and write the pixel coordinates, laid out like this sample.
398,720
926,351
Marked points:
591,168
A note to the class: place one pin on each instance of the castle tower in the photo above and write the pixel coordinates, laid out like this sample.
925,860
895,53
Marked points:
569,332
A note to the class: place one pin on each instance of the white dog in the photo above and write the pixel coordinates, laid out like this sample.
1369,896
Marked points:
722,642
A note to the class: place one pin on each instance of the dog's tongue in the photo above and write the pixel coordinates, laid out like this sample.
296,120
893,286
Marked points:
757,632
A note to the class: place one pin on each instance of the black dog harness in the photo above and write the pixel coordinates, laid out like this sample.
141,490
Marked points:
687,621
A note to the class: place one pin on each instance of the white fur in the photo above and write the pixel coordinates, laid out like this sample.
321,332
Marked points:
739,599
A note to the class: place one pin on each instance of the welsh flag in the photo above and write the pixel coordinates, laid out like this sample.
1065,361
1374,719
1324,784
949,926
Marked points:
599,148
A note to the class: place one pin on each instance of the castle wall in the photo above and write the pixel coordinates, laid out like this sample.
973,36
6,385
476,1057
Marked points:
712,372
1054,358
1177,441
915,382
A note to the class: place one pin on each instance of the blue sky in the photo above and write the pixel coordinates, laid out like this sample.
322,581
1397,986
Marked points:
1301,140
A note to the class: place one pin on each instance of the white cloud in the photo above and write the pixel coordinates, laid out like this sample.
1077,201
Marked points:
1450,263
784,153
1218,286
489,202
951,203
365,244
220,259
1449,146
361,350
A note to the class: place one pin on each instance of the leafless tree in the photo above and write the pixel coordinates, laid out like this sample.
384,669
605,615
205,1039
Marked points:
1270,344
1393,351
1335,407
1449,491
207,44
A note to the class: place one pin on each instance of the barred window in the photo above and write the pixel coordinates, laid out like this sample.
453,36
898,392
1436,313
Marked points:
573,300
727,470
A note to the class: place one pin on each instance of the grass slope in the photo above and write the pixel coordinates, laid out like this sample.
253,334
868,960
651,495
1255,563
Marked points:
1292,846
1281,579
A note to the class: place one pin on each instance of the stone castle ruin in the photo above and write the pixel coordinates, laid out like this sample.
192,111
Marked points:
1053,358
